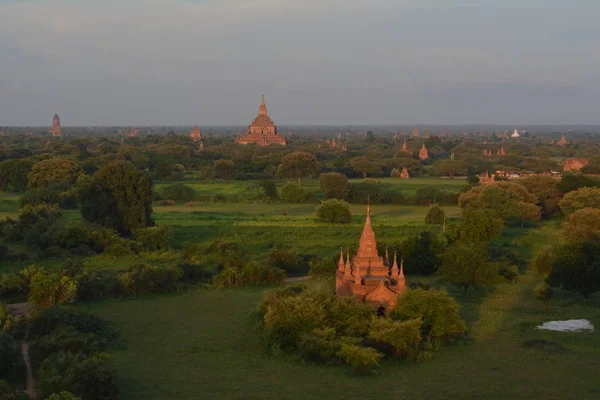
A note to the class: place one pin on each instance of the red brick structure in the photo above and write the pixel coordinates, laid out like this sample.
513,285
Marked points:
56,129
262,131
367,277
404,173
423,153
405,149
575,164
562,141
195,134
486,178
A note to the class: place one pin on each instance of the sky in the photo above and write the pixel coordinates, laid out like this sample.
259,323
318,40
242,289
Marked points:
318,62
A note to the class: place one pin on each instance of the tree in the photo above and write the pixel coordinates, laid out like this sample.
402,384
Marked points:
48,289
435,215
544,293
334,185
334,211
7,392
52,171
421,253
223,169
450,167
477,226
580,198
547,191
365,166
466,265
270,189
13,174
292,192
582,225
575,180
299,165
576,267
10,356
119,197
363,359
179,192
403,336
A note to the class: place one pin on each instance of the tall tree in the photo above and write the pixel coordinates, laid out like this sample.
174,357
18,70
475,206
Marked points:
299,165
52,171
586,197
466,265
365,166
118,197
334,185
13,174
547,191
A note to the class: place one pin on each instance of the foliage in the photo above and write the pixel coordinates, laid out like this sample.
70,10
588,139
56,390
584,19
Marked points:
586,197
7,320
13,174
403,336
144,279
298,165
477,226
450,167
119,198
542,263
48,289
546,189
45,321
154,238
178,192
435,215
52,171
11,360
270,190
466,265
576,267
223,169
572,181
322,267
64,395
292,192
544,293
334,185
362,359
366,166
582,225
7,392
334,211
286,258
438,311
421,253
39,196
252,274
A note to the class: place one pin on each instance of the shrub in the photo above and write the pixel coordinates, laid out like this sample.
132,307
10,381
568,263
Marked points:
95,237
270,190
334,211
543,261
11,360
48,289
320,346
438,311
292,192
334,185
7,392
322,267
122,247
46,321
178,192
11,285
143,279
154,237
435,215
7,320
287,259
250,275
544,293
362,359
403,336
66,339
64,395
39,196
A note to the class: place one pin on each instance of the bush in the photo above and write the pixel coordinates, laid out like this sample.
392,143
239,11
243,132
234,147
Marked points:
334,185
39,196
48,289
362,359
403,336
544,293
122,247
11,360
320,346
12,285
89,378
7,320
322,267
63,396
251,275
154,237
287,259
438,311
79,234
46,321
292,192
143,279
178,192
270,190
334,211
435,215
66,339
7,392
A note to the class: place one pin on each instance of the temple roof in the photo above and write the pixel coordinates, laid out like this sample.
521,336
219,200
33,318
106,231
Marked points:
263,118
367,247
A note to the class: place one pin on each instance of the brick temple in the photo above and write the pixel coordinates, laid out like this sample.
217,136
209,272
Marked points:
368,277
262,131
56,129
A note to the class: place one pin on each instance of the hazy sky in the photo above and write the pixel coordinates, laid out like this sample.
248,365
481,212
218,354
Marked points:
145,62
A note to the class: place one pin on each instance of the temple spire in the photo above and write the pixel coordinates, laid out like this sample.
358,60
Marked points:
262,110
341,264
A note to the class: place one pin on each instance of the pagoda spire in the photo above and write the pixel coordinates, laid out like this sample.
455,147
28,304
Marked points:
348,270
395,269
262,110
341,264
367,248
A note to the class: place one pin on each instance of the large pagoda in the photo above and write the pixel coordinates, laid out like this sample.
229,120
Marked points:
262,131
368,277
56,129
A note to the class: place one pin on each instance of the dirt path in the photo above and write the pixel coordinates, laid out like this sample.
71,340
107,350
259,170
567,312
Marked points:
22,309
298,279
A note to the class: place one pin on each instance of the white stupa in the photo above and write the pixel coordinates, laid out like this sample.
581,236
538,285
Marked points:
516,134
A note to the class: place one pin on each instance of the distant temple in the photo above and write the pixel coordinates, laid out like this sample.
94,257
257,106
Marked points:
562,141
575,164
367,277
486,178
415,133
195,134
404,173
406,149
56,129
515,134
262,131
423,153
501,152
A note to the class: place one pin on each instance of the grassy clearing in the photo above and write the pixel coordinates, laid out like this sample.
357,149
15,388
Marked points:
198,345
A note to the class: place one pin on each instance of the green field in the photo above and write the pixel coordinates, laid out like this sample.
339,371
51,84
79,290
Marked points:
198,346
